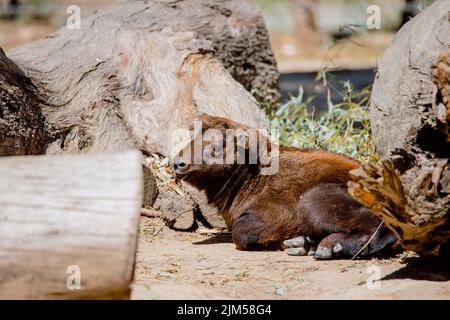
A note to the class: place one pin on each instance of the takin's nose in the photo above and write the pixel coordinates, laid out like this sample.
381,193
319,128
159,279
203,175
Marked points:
179,164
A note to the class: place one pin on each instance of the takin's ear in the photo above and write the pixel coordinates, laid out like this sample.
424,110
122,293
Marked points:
220,123
208,121
246,147
205,120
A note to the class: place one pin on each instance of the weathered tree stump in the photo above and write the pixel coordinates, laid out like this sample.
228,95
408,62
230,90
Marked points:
409,109
67,216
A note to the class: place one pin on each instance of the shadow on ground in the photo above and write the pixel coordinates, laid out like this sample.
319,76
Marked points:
218,238
432,269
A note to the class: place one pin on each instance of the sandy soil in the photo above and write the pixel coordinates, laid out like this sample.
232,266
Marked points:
178,265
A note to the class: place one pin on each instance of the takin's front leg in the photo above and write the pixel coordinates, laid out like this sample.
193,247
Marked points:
251,232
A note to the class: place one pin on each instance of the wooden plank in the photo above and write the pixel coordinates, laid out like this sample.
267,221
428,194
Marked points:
61,213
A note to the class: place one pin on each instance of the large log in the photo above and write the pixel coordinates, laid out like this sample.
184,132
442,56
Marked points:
136,72
125,79
404,103
64,214
410,188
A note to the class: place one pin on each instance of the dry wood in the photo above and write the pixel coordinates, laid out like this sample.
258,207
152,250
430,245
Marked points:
61,211
410,188
169,222
237,33
404,99
441,73
21,121
413,209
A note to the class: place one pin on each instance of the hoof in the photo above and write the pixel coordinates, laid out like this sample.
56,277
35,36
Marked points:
296,251
323,253
297,242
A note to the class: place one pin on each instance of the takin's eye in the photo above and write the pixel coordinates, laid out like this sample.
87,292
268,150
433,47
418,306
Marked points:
216,150
212,153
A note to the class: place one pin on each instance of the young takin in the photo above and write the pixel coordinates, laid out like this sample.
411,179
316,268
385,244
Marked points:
303,207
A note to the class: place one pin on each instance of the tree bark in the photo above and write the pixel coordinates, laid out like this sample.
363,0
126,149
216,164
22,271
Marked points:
238,35
21,121
60,215
409,109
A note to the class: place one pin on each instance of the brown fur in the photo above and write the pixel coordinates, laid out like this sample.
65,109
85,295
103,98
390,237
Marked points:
307,196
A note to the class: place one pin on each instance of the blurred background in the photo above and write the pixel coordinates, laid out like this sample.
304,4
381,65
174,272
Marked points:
308,37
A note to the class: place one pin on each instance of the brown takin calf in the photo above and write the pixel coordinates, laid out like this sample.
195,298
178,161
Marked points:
304,207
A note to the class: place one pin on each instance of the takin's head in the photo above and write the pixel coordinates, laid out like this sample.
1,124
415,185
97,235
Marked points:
218,145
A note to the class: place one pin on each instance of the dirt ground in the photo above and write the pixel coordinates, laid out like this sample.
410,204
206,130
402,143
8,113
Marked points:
180,265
